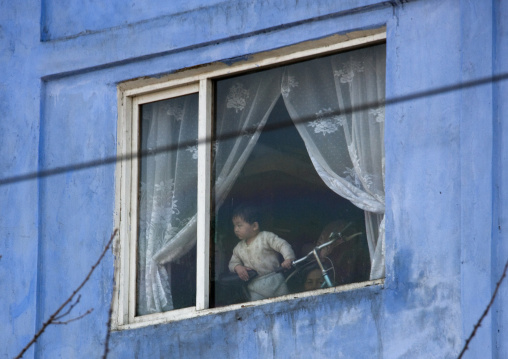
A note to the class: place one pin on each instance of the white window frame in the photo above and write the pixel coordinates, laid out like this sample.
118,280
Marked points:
134,93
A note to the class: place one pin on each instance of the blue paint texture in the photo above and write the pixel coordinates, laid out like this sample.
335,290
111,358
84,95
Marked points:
446,175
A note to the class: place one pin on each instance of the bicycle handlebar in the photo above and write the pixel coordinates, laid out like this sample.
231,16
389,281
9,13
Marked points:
334,236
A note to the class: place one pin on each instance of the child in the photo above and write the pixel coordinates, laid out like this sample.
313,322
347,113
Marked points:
313,279
259,251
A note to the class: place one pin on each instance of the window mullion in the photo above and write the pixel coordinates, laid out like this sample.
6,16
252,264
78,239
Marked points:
204,187
124,178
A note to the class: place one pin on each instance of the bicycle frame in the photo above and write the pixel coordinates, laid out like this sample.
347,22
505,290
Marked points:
327,282
334,236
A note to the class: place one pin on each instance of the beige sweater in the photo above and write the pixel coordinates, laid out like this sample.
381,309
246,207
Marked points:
261,254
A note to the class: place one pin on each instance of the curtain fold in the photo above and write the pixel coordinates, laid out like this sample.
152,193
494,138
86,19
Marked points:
330,102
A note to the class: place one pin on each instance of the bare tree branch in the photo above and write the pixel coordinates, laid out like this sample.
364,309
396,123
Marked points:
70,308
53,316
108,333
479,323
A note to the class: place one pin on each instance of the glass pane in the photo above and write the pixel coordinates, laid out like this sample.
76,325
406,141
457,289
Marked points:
166,266
299,186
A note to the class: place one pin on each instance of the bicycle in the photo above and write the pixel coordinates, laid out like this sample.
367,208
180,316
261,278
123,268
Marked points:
333,237
300,264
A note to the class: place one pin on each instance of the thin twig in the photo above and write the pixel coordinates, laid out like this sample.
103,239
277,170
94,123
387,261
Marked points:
110,315
478,324
57,312
108,334
70,308
74,319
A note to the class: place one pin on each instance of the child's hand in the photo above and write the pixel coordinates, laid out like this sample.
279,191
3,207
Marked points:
287,264
242,272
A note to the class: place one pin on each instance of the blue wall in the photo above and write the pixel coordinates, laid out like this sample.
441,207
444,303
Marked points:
446,175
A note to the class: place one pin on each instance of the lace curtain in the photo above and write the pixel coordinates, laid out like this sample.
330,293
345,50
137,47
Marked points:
168,196
345,146
244,104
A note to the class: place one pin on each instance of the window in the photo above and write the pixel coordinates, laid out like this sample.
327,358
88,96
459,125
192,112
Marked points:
276,134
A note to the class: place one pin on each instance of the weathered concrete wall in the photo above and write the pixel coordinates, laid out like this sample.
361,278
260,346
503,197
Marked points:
500,190
446,175
20,87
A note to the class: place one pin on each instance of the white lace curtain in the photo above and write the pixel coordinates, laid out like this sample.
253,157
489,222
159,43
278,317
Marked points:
331,102
346,150
168,196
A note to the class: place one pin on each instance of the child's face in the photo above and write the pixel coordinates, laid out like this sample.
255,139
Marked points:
314,280
244,230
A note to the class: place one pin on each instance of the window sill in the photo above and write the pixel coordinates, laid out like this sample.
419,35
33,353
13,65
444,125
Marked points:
188,313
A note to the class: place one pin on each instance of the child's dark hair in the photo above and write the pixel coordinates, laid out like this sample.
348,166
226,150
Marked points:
248,213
